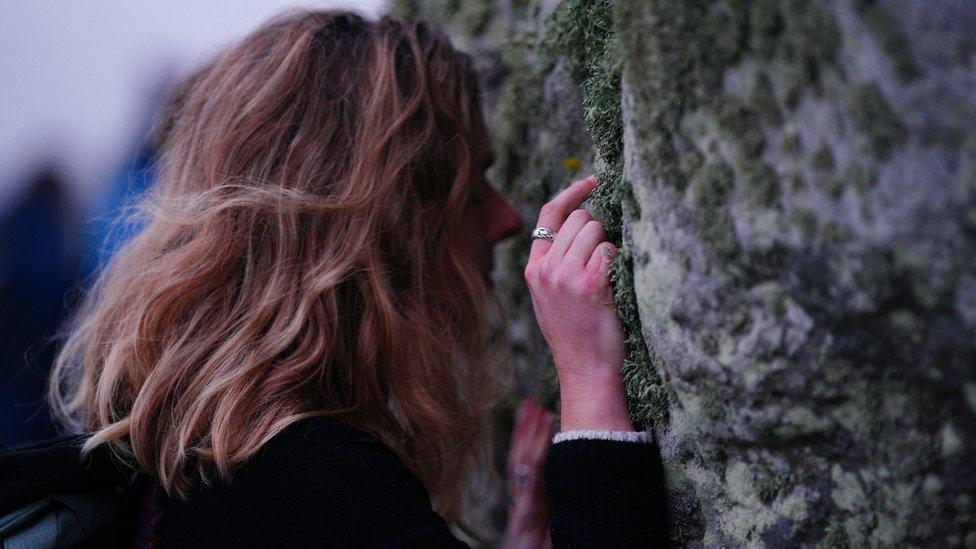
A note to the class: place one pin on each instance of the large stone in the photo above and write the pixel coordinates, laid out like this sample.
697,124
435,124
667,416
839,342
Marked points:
793,185
805,244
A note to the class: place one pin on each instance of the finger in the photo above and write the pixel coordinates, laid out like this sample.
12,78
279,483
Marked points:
554,213
525,430
538,418
586,241
602,259
539,440
542,440
522,410
567,234
519,431
519,420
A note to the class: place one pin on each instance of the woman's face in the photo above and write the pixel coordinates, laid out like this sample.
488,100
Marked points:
488,220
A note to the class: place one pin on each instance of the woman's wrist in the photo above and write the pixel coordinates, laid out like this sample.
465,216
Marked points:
594,400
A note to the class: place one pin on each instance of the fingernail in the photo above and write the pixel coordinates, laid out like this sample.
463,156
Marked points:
607,252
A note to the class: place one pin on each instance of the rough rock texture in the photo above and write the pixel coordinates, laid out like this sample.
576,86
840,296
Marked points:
794,185
805,244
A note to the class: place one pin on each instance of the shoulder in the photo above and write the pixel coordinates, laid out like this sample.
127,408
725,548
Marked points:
322,444
312,481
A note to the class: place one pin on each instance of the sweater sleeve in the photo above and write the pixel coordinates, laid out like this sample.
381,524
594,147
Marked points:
599,434
606,492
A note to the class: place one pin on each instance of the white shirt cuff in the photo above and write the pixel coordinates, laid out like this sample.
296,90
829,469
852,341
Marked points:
619,436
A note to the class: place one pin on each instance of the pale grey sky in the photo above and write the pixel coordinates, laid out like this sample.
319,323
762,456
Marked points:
76,75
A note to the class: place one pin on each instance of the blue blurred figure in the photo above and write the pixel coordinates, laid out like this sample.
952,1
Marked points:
36,271
112,229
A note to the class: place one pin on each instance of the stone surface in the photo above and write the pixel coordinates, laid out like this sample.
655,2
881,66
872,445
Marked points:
806,237
793,184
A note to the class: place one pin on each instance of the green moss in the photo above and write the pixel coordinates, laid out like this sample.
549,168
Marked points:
724,28
823,163
791,142
709,343
796,181
711,187
877,120
832,186
952,138
835,233
793,88
411,8
741,122
823,159
691,162
476,14
647,399
811,40
517,110
763,98
774,298
806,221
892,38
581,33
860,177
678,79
768,25
762,185
472,15
712,184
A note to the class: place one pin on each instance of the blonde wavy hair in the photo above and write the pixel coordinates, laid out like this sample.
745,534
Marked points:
298,258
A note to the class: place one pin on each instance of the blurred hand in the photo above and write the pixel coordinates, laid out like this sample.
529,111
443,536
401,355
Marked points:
570,287
528,520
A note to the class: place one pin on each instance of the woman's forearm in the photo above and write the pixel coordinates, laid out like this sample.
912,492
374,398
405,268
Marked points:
593,401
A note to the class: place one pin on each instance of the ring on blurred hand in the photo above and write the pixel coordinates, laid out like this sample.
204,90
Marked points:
543,233
522,474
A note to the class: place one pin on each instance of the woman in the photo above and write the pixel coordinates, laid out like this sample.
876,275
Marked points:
295,348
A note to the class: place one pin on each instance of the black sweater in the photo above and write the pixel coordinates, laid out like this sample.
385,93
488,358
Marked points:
322,483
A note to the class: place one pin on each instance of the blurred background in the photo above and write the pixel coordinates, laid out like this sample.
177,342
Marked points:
81,85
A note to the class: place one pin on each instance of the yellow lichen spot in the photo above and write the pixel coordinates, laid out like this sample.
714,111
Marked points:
572,164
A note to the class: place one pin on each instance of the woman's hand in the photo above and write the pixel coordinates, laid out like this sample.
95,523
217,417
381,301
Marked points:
528,518
570,287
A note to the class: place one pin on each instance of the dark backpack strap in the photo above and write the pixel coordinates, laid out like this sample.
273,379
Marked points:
30,473
82,501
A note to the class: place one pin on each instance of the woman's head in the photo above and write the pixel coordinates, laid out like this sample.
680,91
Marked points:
315,243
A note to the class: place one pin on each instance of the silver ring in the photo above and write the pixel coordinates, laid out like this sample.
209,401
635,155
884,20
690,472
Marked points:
522,474
543,233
